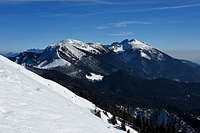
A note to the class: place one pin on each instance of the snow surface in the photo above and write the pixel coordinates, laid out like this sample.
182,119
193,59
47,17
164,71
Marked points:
94,76
118,48
32,104
144,55
55,60
56,63
138,44
69,46
98,46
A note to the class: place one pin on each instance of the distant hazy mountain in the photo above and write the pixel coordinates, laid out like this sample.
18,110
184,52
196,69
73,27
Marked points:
192,55
34,50
13,54
9,54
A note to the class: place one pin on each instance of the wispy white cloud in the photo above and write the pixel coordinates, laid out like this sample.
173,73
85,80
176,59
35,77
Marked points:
180,6
107,2
121,34
176,7
121,24
126,23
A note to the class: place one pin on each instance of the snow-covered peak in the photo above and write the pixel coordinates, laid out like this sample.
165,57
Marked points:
62,53
72,41
72,49
136,42
69,43
65,41
129,44
129,49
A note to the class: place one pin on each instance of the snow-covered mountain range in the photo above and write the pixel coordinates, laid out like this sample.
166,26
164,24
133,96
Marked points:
77,58
80,59
30,103
127,72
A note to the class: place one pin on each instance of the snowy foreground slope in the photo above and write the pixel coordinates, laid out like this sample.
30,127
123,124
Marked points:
32,104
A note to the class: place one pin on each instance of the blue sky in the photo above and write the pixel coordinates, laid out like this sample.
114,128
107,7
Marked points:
165,24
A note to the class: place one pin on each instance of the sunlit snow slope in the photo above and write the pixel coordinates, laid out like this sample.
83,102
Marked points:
32,104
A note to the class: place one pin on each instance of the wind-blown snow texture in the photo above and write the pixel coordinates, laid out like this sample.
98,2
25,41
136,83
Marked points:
32,104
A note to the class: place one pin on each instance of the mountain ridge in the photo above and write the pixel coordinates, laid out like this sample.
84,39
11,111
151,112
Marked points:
131,55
